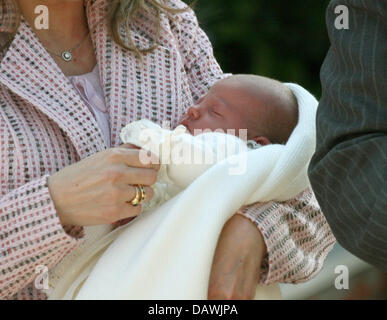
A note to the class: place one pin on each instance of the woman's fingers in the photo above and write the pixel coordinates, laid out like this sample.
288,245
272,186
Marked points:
131,194
123,175
127,209
120,206
139,158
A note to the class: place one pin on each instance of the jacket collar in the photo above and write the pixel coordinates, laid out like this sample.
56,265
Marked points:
26,49
113,62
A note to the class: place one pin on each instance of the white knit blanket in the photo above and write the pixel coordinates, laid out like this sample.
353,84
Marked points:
166,252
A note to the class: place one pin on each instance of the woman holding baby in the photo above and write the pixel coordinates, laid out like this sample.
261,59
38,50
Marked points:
65,94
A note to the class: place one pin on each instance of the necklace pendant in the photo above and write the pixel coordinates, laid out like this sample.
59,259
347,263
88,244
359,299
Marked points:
67,56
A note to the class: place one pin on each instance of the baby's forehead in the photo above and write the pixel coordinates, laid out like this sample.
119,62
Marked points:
248,88
230,87
257,89
236,90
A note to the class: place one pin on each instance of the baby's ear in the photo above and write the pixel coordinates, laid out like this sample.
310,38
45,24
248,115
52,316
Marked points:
263,141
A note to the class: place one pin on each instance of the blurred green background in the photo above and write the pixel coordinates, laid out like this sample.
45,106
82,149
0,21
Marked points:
284,40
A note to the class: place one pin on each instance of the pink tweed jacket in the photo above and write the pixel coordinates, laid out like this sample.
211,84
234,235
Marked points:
45,126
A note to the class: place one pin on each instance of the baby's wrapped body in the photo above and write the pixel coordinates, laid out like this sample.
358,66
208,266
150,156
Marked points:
258,110
183,157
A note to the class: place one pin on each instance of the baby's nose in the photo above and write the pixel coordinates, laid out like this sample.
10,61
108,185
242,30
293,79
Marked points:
194,113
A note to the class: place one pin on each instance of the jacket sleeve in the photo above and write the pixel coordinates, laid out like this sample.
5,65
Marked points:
297,237
31,235
296,233
349,169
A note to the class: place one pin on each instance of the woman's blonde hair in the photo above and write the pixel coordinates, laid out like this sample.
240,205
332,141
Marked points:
120,13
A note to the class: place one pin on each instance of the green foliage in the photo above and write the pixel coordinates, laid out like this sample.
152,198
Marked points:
284,40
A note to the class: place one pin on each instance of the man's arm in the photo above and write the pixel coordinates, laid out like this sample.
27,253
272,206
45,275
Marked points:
348,172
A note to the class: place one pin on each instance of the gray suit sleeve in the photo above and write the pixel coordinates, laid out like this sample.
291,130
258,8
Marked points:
348,172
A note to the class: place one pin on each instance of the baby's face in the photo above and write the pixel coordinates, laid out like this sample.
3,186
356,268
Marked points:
218,109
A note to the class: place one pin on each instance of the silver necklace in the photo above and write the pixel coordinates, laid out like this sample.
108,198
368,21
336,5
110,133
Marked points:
67,55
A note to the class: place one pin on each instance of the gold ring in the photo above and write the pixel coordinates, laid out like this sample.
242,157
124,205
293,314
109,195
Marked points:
140,196
143,194
137,199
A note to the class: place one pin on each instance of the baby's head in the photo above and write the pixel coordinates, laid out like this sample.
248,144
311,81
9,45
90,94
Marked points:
265,107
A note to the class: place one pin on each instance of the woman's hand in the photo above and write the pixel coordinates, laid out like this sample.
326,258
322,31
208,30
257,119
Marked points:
237,260
97,189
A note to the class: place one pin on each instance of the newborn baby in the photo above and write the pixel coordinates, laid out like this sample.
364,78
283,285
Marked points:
265,109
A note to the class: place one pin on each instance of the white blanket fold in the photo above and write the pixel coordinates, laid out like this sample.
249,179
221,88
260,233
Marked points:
167,252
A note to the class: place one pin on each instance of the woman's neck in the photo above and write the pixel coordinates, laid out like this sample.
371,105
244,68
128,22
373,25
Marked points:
66,30
67,20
